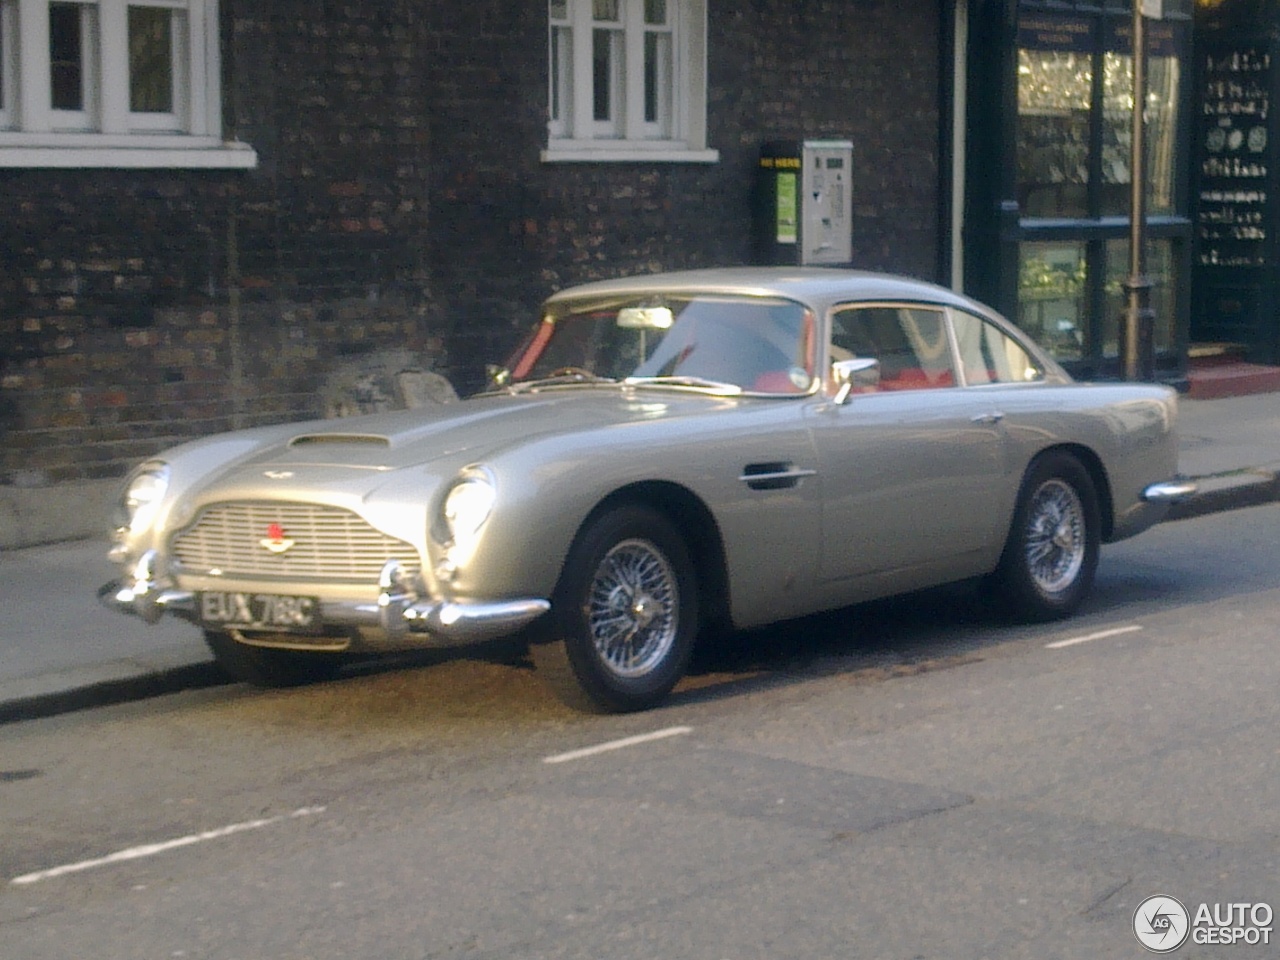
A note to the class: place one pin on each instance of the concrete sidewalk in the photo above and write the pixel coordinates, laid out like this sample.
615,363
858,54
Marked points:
60,650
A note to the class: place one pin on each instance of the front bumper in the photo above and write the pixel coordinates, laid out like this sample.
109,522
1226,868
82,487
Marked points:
400,612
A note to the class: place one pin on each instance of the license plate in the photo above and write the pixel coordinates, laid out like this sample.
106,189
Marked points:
259,611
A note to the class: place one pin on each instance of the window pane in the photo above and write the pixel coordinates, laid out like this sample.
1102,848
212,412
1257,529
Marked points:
66,56
561,73
655,11
1054,89
1165,43
910,344
1055,95
1117,129
559,9
607,72
600,58
755,343
1052,300
988,355
150,60
1164,84
657,77
606,10
1162,273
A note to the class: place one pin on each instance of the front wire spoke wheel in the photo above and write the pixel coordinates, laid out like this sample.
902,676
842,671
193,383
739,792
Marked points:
624,616
634,608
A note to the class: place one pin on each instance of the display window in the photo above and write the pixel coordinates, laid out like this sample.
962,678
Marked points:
1073,141
1162,271
1075,114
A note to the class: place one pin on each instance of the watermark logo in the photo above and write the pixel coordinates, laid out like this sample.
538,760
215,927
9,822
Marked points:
1232,923
1161,924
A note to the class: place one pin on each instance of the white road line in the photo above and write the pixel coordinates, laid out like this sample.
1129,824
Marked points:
1101,635
151,849
618,744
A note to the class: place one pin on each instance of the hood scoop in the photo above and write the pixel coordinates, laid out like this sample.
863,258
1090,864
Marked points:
340,439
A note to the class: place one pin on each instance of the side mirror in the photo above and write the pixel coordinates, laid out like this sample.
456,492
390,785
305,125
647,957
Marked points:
859,372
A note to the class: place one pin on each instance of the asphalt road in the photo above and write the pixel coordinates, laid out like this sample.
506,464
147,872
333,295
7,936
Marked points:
906,780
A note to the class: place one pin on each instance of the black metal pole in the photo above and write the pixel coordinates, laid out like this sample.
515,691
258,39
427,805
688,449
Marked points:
1137,347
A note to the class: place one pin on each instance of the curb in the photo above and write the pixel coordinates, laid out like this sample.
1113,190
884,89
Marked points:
1235,490
107,693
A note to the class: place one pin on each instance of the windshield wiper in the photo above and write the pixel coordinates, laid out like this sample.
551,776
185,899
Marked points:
697,383
560,379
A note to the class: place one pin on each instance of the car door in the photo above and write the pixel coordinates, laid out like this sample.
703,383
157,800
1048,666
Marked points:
908,463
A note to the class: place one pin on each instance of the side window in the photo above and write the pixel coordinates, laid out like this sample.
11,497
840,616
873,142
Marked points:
989,355
909,342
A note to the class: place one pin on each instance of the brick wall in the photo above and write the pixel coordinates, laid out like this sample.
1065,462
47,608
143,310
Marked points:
508,229
141,308
400,202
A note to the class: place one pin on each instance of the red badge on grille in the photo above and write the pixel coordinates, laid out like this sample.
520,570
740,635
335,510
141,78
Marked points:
275,540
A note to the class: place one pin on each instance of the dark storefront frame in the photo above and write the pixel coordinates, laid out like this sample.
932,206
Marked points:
1237,262
1074,307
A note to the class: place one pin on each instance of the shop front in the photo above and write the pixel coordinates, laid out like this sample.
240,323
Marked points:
1236,274
1050,190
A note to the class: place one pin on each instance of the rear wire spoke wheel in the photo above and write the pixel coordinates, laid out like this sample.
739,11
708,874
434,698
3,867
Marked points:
1055,539
1051,555
624,616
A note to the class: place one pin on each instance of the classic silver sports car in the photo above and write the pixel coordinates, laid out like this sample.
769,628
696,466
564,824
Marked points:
664,454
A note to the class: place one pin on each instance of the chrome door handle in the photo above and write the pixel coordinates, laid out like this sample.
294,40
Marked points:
773,476
995,416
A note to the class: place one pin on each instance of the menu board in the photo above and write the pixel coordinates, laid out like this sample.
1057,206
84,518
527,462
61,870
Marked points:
1236,199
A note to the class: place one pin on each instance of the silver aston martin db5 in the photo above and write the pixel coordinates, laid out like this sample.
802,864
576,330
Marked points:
664,454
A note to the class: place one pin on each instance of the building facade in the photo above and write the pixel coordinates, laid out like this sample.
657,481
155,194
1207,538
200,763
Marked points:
223,214
215,207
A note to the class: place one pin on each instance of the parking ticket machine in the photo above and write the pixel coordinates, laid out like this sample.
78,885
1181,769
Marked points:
804,203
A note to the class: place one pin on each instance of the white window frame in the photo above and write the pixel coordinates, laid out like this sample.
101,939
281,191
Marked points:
107,133
678,135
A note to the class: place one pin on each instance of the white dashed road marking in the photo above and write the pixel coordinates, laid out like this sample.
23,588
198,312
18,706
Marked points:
151,849
1100,635
618,744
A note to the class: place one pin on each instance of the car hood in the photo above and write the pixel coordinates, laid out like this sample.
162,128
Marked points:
358,455
475,427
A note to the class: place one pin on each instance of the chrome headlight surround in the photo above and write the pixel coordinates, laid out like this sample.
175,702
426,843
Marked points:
142,496
464,510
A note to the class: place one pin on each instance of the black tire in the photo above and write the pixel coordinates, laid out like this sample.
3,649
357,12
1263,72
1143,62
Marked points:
265,667
1051,555
624,616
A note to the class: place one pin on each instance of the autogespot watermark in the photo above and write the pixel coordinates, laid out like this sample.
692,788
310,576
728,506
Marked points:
1162,924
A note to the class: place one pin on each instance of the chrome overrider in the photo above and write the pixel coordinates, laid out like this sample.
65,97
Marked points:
399,610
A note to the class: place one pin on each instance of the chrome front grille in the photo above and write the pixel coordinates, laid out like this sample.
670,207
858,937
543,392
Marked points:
310,543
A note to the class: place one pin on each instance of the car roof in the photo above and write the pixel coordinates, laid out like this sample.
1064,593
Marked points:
817,285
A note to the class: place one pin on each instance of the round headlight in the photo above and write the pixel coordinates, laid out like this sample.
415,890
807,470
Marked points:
467,507
143,494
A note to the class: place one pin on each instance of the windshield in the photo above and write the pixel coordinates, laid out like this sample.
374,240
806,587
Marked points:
753,344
